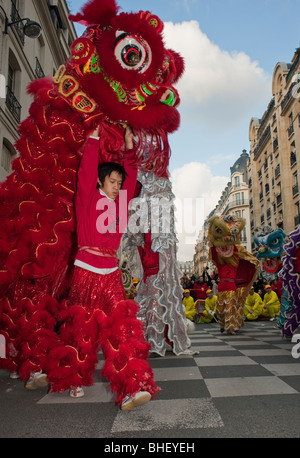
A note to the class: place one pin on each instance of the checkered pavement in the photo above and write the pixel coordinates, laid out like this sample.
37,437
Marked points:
206,394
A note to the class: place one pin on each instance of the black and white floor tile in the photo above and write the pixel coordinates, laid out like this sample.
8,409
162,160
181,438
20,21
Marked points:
256,362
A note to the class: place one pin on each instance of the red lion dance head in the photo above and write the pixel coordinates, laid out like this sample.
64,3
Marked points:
119,72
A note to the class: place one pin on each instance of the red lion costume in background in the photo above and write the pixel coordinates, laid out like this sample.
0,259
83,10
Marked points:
119,72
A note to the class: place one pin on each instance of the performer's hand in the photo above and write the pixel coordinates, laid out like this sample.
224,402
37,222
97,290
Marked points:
95,133
128,137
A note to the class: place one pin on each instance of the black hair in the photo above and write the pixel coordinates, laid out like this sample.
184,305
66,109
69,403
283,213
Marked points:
106,168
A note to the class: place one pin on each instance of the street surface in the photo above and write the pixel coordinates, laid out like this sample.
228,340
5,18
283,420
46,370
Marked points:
241,386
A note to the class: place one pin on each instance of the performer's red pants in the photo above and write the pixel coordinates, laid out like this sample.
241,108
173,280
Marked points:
99,315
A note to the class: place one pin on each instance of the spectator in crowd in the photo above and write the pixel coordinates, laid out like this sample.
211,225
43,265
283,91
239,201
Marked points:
210,307
189,305
271,303
200,288
253,305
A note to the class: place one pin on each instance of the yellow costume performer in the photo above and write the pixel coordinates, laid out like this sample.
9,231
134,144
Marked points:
210,307
253,305
271,304
189,304
236,267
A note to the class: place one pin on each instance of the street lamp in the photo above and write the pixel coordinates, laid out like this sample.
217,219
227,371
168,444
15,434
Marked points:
31,28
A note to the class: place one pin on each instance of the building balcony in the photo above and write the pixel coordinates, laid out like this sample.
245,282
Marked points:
13,104
293,158
297,220
38,69
295,190
287,99
290,130
236,204
266,135
278,199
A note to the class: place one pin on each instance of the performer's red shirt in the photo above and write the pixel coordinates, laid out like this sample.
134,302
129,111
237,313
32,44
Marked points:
92,209
227,273
200,290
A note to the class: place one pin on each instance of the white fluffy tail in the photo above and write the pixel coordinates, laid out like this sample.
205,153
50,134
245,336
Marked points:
190,326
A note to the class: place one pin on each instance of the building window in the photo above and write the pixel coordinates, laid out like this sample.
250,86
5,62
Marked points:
293,158
291,125
13,83
55,16
11,78
297,214
295,188
237,181
239,198
7,157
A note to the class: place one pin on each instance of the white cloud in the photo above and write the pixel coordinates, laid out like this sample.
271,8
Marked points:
197,192
218,87
220,91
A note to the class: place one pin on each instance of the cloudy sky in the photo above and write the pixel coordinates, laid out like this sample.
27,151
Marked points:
231,48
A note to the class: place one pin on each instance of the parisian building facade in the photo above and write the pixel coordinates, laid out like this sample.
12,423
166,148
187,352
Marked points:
264,186
274,165
24,59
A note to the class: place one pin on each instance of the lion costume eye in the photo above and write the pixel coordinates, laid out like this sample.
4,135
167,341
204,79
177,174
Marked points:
133,53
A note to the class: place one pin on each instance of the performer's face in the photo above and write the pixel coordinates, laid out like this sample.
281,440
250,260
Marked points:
112,185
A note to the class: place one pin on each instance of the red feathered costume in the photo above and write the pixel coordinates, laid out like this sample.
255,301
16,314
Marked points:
119,72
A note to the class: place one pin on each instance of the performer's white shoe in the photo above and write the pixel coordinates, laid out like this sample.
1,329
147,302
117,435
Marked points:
139,399
36,380
76,392
14,375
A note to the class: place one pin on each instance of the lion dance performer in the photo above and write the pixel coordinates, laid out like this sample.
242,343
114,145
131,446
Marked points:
270,245
290,274
119,73
270,250
237,270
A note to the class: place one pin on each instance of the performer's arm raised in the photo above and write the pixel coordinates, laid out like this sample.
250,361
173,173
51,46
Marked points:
88,169
129,165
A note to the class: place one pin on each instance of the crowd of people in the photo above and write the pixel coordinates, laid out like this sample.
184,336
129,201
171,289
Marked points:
200,298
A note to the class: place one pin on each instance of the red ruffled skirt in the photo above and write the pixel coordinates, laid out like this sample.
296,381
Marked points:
99,315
